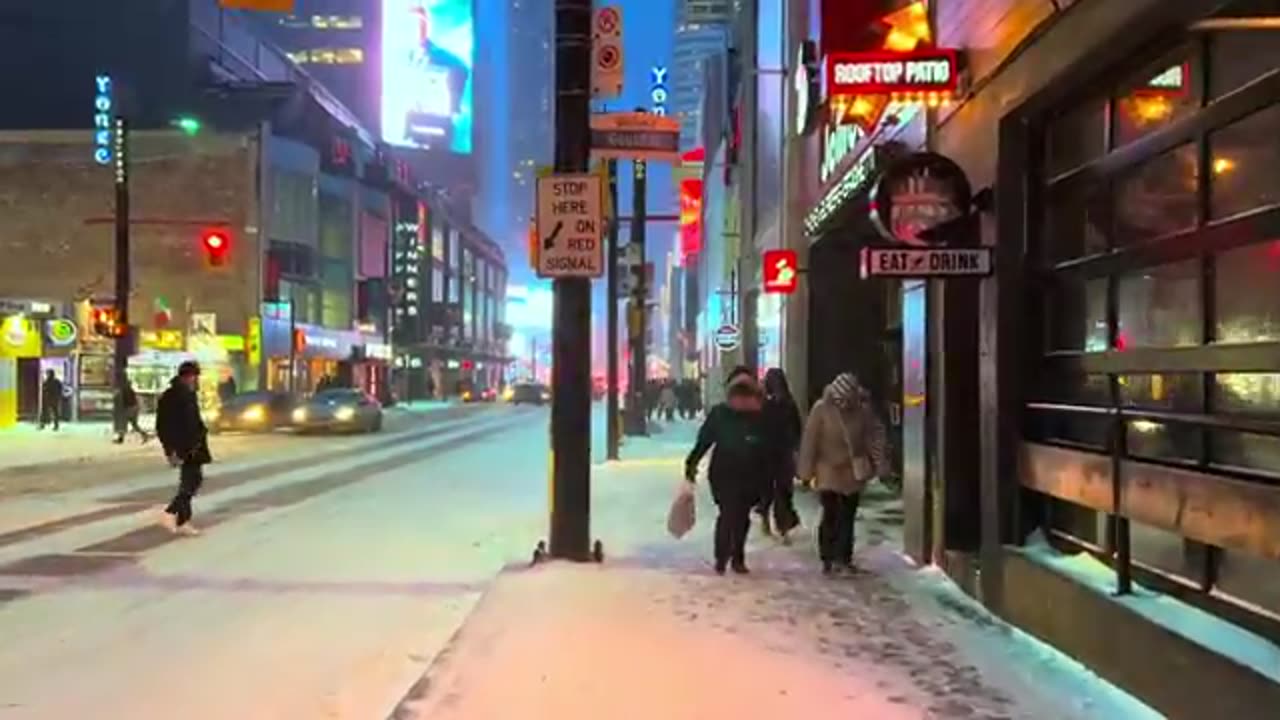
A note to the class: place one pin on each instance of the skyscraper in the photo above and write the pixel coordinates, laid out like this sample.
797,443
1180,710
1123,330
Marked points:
702,29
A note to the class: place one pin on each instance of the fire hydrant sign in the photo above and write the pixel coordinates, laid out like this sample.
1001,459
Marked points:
570,226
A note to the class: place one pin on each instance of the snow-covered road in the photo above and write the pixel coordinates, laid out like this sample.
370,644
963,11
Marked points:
315,593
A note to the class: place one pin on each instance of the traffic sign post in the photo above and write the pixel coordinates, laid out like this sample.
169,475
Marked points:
570,226
917,262
606,53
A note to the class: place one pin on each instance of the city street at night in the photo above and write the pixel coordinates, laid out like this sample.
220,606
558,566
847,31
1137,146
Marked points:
333,572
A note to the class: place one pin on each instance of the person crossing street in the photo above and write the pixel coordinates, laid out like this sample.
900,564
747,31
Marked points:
185,440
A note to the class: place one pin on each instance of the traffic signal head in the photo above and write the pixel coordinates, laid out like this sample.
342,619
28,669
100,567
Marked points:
216,244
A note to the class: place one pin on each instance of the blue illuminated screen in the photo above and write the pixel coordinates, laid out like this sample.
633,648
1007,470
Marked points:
427,74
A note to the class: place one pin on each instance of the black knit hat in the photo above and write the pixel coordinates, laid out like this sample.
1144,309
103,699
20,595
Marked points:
189,368
738,372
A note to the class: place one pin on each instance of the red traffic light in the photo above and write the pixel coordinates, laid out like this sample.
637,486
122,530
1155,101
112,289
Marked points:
216,244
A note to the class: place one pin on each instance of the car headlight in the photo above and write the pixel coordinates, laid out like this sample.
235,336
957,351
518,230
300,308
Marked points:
546,396
300,414
466,396
344,414
508,394
257,413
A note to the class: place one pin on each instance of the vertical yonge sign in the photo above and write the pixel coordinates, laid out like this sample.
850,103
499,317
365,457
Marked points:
102,106
886,73
658,89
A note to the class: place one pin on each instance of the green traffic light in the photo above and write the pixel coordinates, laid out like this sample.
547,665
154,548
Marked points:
188,125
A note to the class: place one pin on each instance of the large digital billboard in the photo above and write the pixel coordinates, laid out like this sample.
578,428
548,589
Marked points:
427,74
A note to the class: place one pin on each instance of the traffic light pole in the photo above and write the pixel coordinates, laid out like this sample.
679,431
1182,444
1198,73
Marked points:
611,319
571,341
123,279
637,410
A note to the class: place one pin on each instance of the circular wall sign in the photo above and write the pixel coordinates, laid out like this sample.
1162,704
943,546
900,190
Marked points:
727,338
60,332
918,193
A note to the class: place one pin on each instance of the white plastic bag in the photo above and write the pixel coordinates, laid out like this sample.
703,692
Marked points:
683,513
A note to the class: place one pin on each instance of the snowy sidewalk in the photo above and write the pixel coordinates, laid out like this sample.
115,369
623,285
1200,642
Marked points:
653,633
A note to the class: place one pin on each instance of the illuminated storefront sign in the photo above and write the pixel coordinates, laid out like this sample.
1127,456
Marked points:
60,332
103,105
915,74
690,217
781,271
805,83
658,89
161,340
917,193
839,141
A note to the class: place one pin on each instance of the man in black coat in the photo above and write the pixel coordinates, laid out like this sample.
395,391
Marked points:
186,444
50,400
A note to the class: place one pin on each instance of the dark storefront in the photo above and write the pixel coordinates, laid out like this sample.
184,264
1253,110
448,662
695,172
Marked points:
1128,346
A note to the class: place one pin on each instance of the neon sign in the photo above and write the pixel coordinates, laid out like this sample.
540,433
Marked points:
838,143
102,107
658,89
914,73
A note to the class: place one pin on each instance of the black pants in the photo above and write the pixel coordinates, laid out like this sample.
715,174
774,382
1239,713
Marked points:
780,501
732,525
190,478
835,533
51,413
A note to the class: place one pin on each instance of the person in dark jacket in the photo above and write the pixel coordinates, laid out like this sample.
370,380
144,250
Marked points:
130,411
50,400
735,429
782,442
186,444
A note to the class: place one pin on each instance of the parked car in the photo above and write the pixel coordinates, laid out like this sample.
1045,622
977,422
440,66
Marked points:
261,411
338,410
530,393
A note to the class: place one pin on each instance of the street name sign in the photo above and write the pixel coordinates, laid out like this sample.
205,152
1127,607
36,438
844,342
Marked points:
570,226
635,136
916,262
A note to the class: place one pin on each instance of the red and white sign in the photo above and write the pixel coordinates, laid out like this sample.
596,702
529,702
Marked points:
885,73
690,217
606,53
781,271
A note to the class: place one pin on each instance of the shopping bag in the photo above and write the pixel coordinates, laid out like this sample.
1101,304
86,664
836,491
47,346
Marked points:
683,513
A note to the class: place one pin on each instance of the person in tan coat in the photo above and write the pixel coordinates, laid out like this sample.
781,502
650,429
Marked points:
843,449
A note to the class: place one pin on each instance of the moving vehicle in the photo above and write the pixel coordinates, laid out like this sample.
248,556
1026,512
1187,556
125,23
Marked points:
338,410
260,411
530,393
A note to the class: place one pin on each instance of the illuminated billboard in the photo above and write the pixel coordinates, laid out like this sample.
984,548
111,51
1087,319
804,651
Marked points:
427,74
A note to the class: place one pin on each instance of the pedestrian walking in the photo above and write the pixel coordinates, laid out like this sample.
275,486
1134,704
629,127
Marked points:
735,429
782,440
51,401
129,412
843,449
227,389
186,445
667,401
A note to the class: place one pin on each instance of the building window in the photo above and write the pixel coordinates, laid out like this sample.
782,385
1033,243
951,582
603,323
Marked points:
329,56
1173,265
437,285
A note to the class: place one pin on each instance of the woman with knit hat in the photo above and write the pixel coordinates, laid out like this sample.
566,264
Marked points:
738,475
843,448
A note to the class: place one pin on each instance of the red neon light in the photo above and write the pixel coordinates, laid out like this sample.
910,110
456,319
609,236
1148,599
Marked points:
781,271
883,73
690,217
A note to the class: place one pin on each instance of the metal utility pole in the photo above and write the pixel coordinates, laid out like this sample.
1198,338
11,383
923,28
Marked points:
571,343
123,279
748,186
637,413
611,318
